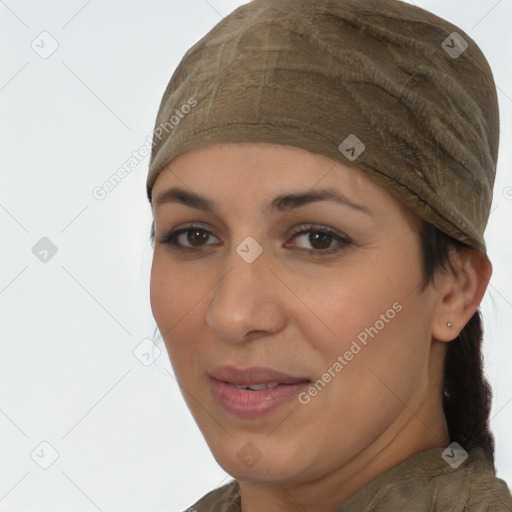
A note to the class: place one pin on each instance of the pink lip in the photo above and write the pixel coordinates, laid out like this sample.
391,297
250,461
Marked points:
253,375
244,403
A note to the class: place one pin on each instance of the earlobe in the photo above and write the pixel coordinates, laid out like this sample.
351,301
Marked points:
460,293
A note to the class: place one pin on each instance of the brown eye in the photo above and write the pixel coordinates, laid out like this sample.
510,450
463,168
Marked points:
194,236
321,239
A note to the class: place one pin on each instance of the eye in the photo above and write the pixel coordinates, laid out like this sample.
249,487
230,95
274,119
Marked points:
319,237
195,235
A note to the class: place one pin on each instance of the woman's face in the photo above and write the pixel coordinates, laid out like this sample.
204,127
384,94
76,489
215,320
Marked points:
273,283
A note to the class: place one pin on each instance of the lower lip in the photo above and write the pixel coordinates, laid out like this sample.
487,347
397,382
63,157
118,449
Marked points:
245,403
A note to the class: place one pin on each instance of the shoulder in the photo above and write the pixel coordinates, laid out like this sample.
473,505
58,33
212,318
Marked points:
222,499
486,492
428,482
472,487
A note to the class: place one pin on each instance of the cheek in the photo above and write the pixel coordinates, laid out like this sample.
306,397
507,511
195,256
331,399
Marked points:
175,300
174,291
375,319
382,334
354,304
163,295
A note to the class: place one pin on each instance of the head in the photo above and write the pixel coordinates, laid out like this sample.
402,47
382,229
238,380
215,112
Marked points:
378,296
359,299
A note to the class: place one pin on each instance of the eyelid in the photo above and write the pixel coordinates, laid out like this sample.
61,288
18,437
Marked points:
342,240
319,227
174,233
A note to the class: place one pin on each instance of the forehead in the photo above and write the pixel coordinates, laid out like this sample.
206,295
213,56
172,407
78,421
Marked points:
258,164
256,172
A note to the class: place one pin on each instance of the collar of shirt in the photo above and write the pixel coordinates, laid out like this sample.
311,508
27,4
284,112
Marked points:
424,482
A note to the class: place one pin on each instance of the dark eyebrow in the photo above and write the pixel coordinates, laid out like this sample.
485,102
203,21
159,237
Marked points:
280,203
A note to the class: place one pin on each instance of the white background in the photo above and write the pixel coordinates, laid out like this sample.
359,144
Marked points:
124,437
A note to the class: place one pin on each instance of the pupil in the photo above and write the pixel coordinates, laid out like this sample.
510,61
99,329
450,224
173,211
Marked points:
313,238
201,235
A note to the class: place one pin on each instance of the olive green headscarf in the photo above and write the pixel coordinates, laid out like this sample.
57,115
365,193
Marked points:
380,85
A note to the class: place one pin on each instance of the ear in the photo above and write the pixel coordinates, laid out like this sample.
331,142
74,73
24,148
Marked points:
459,292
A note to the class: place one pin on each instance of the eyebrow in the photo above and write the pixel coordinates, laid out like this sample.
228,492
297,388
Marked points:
280,203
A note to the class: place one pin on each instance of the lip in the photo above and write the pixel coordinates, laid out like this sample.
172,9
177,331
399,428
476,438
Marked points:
244,403
253,375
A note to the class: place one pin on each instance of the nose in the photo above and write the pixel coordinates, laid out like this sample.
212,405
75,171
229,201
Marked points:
248,301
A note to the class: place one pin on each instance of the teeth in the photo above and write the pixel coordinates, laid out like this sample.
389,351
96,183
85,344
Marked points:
257,387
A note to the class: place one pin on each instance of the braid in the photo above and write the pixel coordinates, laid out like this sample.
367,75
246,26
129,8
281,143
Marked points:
466,392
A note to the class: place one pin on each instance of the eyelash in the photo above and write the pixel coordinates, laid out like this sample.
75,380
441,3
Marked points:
170,238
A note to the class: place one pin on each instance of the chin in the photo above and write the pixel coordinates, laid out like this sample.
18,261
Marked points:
246,465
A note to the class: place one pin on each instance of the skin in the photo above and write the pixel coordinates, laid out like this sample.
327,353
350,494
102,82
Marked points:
295,312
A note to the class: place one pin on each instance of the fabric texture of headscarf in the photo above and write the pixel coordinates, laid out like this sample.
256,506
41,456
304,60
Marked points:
381,85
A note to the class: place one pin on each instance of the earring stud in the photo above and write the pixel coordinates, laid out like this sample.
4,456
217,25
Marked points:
449,324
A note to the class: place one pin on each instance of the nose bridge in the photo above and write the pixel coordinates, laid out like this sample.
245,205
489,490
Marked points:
244,299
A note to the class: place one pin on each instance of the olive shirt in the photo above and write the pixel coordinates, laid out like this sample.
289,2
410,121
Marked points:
423,483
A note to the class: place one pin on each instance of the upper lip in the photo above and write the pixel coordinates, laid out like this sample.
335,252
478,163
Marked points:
253,375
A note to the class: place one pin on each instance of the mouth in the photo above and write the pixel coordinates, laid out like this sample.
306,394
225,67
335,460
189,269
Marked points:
254,377
257,387
254,391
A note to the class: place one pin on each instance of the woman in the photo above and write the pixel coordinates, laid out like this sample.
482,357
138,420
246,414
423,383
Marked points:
320,180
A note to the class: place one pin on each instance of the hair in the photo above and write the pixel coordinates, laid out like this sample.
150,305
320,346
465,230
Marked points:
466,392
